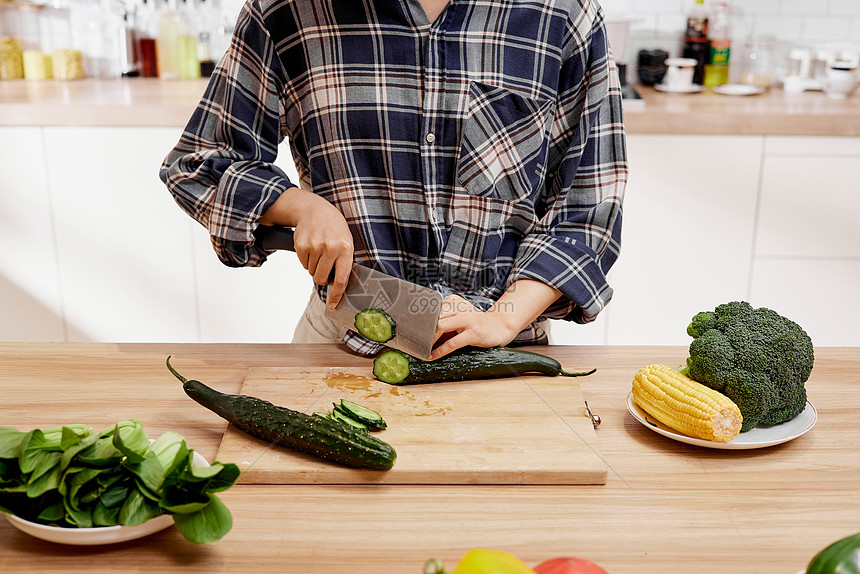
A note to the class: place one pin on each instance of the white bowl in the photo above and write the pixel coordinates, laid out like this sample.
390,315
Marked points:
98,534
840,83
91,536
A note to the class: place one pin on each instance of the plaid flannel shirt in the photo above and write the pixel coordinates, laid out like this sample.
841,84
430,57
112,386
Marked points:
464,154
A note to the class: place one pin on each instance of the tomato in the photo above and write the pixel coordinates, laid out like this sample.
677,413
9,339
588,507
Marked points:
568,566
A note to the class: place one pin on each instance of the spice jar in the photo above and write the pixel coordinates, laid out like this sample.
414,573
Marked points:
68,64
11,58
37,65
757,62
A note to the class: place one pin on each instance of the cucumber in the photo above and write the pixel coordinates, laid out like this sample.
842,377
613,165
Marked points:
313,435
397,368
368,417
375,324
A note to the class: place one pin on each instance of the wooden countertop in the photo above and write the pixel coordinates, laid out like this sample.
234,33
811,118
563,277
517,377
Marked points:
153,102
667,507
774,112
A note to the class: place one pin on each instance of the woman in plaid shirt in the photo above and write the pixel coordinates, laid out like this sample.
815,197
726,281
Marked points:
473,146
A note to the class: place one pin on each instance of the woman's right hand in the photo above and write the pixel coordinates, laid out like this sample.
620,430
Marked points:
321,238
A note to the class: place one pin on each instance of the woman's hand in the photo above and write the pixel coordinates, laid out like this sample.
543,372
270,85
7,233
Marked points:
321,238
462,324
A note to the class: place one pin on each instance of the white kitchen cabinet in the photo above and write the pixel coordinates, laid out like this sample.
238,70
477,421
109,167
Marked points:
250,304
124,247
689,217
30,304
819,294
97,250
809,207
806,261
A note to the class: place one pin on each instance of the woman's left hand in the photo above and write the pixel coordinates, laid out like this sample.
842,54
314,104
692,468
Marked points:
462,324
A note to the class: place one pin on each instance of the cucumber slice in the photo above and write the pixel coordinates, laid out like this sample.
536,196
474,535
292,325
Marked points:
337,415
391,367
375,324
364,415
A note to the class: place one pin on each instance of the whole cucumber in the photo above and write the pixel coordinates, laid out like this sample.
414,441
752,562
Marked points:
317,436
397,368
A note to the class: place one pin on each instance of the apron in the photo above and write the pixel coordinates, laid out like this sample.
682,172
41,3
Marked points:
315,327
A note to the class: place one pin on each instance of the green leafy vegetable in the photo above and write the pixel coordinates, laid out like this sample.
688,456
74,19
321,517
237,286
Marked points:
72,477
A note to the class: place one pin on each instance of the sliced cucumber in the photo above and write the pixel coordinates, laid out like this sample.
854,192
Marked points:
364,415
391,367
337,415
375,324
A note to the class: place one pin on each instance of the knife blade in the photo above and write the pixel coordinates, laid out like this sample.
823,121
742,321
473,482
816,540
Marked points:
414,308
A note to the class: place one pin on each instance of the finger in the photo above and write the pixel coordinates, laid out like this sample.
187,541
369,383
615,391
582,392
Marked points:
303,254
458,341
450,305
342,269
450,324
324,266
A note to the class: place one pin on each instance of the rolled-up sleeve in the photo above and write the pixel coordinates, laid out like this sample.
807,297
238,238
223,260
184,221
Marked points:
578,237
221,172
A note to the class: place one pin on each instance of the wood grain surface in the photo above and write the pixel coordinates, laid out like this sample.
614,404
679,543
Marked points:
666,507
499,431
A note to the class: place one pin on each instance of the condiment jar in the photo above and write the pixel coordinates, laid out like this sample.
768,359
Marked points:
11,58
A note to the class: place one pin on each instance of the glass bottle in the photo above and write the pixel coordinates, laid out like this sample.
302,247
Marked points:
170,27
189,65
146,32
719,34
204,38
127,44
696,43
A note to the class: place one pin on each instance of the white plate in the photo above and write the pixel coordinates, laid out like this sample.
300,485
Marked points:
98,534
759,437
738,90
693,89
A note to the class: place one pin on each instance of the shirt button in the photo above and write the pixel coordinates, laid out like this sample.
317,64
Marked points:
430,138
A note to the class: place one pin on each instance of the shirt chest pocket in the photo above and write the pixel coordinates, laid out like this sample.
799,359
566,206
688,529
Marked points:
503,143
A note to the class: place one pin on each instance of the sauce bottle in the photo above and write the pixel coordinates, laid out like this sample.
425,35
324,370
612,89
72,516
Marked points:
719,34
696,44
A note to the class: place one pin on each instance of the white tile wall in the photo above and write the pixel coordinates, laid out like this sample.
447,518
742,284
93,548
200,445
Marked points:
844,8
807,22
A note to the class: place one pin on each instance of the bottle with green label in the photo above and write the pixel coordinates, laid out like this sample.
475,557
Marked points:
719,53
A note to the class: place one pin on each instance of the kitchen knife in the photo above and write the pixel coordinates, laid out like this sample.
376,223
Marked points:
414,309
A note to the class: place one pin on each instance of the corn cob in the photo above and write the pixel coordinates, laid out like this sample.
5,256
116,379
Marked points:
685,405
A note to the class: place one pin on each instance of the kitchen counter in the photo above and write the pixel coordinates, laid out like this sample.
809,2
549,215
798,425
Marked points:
666,508
774,112
154,102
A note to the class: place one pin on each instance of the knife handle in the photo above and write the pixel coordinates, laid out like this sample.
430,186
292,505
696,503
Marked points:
271,237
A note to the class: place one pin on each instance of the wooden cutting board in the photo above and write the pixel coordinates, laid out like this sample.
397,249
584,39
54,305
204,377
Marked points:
520,430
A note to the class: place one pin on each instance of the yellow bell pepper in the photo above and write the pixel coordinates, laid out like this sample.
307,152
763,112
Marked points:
484,561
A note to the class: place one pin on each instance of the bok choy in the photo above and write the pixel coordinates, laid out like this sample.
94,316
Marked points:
73,477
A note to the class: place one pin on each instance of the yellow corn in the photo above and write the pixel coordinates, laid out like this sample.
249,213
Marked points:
685,405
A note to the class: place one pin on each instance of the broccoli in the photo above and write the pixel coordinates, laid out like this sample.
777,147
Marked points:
756,357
